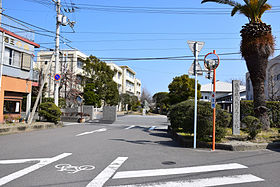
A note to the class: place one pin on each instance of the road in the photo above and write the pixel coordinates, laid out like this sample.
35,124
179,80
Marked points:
134,151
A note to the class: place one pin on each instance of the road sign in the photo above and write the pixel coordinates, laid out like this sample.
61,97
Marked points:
211,61
213,100
79,99
192,46
57,77
198,69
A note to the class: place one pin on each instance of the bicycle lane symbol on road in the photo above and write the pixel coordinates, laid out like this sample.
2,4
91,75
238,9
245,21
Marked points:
73,169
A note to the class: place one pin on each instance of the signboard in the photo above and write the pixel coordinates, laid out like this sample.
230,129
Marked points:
57,77
198,69
192,46
79,99
213,100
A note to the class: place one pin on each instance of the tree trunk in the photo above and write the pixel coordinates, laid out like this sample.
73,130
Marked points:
256,65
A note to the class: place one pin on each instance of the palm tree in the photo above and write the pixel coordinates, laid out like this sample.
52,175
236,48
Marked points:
256,46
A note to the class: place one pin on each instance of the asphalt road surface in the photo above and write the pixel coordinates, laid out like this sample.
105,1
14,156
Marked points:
134,151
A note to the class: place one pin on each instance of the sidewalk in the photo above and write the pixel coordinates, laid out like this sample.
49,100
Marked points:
24,127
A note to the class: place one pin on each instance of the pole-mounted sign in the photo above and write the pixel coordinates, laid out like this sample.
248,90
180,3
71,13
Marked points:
211,62
195,69
57,77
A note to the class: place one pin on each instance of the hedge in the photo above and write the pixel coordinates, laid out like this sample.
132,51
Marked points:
181,115
50,112
247,109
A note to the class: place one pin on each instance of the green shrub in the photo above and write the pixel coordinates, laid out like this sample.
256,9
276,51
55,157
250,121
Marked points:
181,115
247,109
50,112
61,101
253,126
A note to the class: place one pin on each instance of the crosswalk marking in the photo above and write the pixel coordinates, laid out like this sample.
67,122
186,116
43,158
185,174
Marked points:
176,171
42,162
214,181
108,172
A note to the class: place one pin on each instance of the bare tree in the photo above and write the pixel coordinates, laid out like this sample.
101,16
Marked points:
145,95
273,89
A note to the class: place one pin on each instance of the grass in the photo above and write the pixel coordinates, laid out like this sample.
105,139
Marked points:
272,135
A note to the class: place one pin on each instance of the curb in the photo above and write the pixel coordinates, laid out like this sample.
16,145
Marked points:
230,146
5,130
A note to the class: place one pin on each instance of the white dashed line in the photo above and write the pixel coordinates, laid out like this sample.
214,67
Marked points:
90,132
130,127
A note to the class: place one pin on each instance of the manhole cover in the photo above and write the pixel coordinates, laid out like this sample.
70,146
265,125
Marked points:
168,163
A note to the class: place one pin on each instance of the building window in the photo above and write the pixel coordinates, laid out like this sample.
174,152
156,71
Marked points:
11,107
8,57
17,59
206,97
278,77
26,61
80,64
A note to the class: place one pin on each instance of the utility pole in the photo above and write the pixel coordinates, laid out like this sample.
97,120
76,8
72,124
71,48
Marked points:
58,22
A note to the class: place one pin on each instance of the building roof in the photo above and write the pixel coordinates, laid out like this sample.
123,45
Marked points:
220,87
19,37
129,69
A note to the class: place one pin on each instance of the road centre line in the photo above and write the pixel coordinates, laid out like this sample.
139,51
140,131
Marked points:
176,171
90,132
215,181
130,127
107,173
42,163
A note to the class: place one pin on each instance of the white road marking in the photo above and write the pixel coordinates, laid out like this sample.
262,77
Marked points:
73,169
152,128
42,163
176,171
108,172
19,161
130,127
215,181
90,132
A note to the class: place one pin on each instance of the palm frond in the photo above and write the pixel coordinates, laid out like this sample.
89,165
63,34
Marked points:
235,9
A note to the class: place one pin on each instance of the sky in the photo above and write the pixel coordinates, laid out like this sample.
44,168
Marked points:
129,29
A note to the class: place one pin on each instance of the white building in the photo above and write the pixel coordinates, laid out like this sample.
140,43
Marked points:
223,93
70,60
126,80
73,60
272,82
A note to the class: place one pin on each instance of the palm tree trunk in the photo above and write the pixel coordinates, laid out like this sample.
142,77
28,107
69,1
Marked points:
256,65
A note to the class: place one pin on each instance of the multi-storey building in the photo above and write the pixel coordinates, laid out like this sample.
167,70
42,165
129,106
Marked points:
118,76
272,81
16,73
130,84
71,61
125,78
